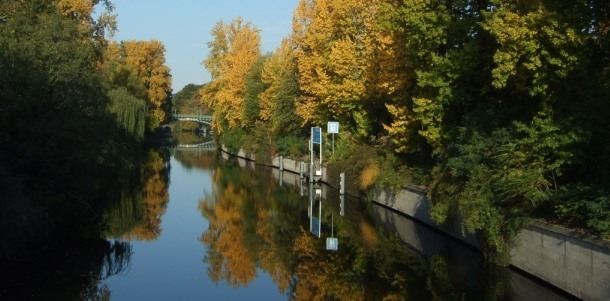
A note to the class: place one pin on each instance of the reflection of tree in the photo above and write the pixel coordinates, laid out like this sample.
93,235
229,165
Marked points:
247,228
227,257
272,259
199,159
142,202
72,271
256,224
155,179
324,275
188,132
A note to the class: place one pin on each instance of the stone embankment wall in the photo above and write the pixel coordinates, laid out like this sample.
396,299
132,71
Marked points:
577,264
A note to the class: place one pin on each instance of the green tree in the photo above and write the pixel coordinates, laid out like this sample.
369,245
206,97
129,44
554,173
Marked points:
130,112
58,135
254,87
187,100
278,101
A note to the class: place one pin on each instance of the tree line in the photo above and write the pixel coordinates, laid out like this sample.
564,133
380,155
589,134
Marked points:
75,108
504,103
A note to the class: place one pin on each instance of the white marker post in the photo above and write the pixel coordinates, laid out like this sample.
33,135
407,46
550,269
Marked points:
316,137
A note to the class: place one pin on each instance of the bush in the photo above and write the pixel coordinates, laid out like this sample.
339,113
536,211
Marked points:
365,167
233,139
584,207
291,146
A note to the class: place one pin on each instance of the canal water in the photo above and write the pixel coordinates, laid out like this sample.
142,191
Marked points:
235,231
211,228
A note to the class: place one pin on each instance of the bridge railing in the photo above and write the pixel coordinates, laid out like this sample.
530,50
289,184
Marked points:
193,117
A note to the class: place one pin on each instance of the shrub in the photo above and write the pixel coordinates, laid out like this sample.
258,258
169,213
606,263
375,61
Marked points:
291,146
233,139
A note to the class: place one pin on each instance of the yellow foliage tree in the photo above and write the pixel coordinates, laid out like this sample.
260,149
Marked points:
147,59
348,62
82,10
233,51
272,72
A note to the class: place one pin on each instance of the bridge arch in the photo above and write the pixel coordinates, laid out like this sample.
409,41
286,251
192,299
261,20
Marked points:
201,118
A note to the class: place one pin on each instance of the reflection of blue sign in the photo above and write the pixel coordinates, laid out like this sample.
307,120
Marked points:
333,127
315,226
332,243
316,135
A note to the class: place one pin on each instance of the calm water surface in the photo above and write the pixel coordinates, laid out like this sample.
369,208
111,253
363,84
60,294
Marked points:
172,267
194,226
226,231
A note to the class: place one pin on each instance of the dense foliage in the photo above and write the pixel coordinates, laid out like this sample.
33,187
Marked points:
187,101
507,100
72,121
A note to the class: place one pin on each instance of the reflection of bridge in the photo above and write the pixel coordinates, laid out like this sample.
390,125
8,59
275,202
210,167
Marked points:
209,145
201,118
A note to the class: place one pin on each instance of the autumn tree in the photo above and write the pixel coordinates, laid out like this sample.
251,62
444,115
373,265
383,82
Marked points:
147,60
82,11
349,64
235,48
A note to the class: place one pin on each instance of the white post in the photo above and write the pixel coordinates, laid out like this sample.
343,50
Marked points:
321,140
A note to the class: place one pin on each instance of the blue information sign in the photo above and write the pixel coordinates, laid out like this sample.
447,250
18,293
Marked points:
316,135
315,226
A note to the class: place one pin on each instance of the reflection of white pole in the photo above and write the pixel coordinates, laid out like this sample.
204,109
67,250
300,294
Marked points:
320,220
342,183
310,209
311,165
332,225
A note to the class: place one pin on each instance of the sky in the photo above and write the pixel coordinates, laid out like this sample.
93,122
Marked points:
184,27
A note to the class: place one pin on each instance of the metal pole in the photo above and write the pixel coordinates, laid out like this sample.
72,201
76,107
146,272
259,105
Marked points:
332,225
321,176
311,165
333,145
320,218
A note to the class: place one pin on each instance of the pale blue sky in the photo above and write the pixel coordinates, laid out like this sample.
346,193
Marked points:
184,28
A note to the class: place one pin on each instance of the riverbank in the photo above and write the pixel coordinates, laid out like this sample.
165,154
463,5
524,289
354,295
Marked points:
569,260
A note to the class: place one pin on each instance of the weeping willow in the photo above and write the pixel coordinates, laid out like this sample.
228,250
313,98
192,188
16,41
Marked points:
130,112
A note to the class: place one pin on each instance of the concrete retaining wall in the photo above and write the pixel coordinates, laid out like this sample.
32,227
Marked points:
578,265
575,263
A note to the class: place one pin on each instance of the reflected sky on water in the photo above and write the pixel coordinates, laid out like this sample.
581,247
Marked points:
171,267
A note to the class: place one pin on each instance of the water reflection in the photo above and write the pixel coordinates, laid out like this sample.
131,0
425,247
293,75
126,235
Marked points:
72,271
143,201
254,227
258,224
75,269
